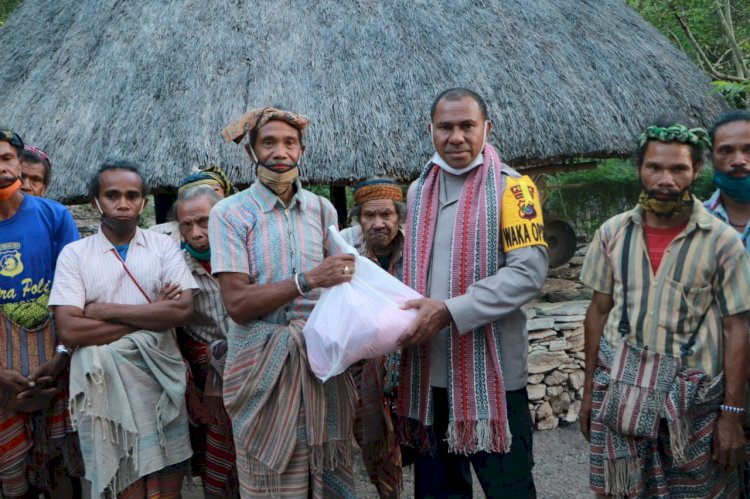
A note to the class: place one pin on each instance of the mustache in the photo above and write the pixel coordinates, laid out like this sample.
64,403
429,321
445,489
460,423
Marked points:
673,194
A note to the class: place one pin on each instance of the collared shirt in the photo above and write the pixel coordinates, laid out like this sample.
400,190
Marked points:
210,318
253,233
88,271
704,276
715,206
354,236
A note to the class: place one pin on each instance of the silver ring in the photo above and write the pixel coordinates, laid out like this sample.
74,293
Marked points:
347,270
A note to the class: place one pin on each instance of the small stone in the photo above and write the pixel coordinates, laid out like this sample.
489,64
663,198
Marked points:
545,361
560,403
576,307
575,343
555,378
548,423
540,335
571,416
567,326
541,323
575,332
536,392
580,355
576,379
535,378
554,391
557,345
544,411
530,313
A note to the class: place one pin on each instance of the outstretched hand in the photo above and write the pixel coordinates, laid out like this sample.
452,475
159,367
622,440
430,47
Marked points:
432,317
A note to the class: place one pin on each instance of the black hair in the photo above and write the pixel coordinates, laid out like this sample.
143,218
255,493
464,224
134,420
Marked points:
697,151
726,118
116,164
12,138
458,93
35,159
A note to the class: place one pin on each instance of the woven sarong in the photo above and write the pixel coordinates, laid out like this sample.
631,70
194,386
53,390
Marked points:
267,382
28,442
127,399
476,393
678,462
373,429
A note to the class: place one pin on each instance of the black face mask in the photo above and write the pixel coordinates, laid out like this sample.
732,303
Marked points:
119,227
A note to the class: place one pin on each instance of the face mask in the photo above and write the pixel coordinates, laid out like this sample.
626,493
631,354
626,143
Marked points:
669,208
203,256
438,160
278,182
8,191
119,227
736,188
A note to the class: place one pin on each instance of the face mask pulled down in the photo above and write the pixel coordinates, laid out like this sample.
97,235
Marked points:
734,187
119,227
675,205
9,190
438,160
278,180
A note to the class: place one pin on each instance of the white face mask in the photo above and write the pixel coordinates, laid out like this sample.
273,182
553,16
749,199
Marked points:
101,212
438,160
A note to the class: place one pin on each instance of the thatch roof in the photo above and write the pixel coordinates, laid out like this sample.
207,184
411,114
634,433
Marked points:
155,81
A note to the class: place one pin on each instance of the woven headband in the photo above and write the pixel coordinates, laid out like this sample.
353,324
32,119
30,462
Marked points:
373,189
676,133
34,149
211,175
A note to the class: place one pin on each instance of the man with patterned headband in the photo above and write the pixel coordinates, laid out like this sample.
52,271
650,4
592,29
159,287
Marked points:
378,215
269,250
474,244
666,335
36,170
38,451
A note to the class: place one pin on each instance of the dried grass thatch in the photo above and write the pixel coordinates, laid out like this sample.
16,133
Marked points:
155,80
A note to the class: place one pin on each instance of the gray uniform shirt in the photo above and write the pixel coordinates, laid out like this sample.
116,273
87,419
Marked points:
498,297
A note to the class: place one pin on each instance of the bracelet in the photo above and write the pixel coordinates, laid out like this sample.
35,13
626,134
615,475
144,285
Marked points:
62,349
303,282
732,409
296,283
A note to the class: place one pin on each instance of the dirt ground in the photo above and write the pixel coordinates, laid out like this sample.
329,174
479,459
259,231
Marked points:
561,469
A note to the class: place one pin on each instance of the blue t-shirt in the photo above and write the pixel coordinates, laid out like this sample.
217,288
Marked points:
30,242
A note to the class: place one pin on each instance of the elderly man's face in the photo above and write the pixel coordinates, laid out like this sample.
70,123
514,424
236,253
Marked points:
379,221
278,146
731,152
10,165
32,176
192,215
458,131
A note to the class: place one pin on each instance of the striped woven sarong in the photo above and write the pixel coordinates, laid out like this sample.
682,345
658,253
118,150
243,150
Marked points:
678,462
29,442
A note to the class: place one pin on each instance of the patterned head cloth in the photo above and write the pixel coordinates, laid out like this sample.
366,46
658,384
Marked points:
377,188
676,133
207,176
12,137
256,118
42,155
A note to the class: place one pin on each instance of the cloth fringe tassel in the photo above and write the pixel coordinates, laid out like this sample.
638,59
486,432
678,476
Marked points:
411,430
622,476
469,437
679,439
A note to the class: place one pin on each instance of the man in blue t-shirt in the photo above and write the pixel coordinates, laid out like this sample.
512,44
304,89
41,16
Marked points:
35,449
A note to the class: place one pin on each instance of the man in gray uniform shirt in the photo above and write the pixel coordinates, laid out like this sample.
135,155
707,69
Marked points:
474,246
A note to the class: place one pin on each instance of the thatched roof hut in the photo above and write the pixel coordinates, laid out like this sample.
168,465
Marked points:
155,81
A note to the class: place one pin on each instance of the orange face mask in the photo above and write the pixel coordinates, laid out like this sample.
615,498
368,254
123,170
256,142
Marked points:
7,192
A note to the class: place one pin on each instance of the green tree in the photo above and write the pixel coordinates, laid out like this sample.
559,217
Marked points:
715,34
6,7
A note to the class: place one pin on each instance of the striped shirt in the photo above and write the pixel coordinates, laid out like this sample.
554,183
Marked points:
210,319
253,233
704,276
89,272
715,206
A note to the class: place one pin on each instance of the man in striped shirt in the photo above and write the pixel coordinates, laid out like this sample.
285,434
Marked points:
204,345
269,251
681,291
118,295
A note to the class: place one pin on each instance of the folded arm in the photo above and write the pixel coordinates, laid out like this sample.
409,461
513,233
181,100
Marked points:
156,316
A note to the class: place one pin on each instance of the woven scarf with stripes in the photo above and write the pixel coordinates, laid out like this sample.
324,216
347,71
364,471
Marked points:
476,393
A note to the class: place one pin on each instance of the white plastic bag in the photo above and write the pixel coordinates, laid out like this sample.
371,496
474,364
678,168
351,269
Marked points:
360,319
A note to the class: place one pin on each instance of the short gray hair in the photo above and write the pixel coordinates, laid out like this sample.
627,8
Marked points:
193,193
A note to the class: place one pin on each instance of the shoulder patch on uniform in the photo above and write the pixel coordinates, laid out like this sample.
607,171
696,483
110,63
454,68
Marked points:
522,224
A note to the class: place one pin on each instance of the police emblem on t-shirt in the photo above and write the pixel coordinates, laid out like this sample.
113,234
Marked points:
10,259
522,223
